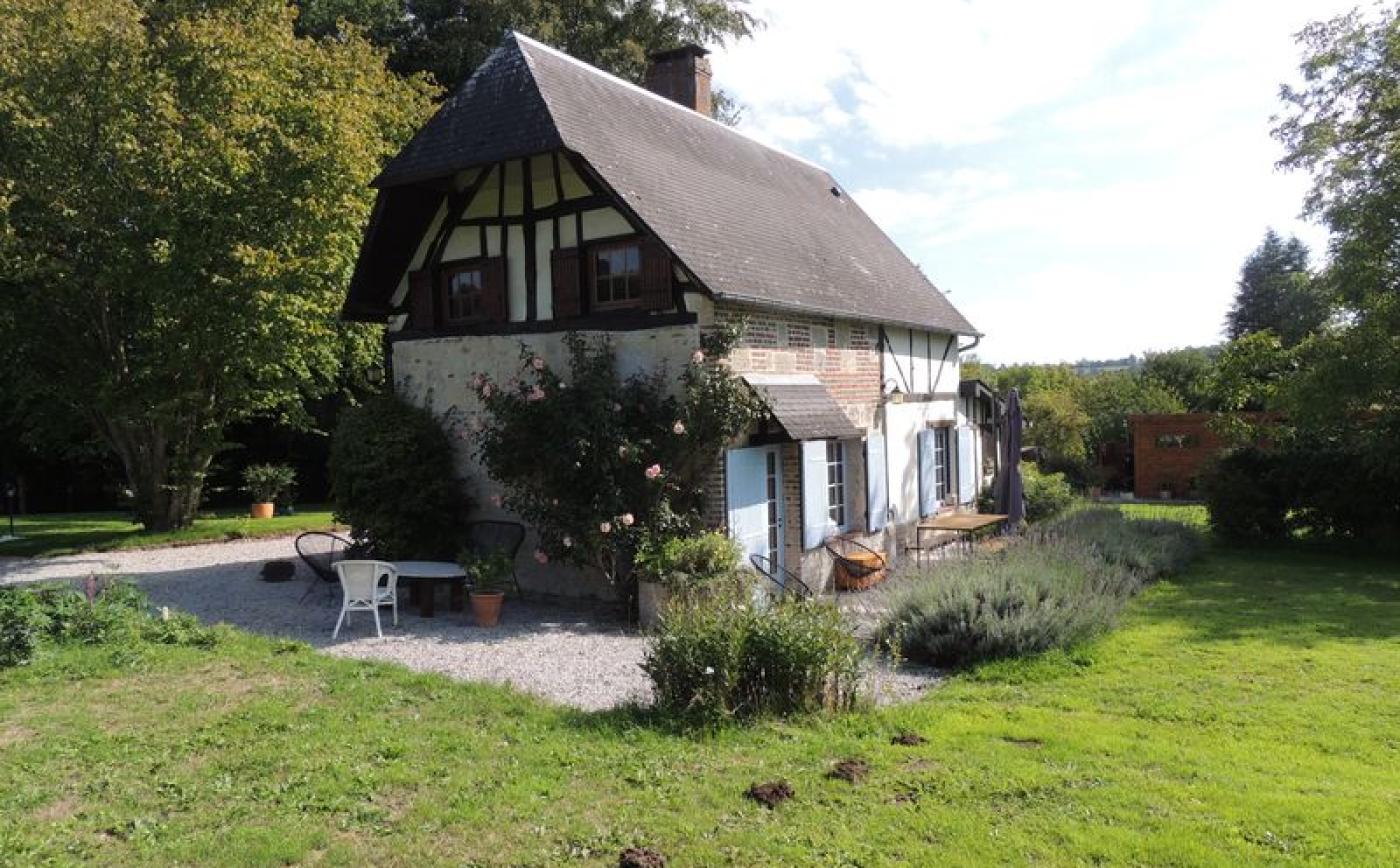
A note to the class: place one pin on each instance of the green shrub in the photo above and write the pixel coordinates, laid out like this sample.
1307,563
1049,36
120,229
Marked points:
178,628
1149,548
1047,494
1257,494
394,481
268,482
22,626
113,614
1029,597
1064,581
1247,496
691,562
718,661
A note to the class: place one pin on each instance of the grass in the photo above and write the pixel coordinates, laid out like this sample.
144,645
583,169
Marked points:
1245,712
70,532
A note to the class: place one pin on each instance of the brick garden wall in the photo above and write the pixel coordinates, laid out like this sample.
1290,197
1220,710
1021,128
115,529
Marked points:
1170,451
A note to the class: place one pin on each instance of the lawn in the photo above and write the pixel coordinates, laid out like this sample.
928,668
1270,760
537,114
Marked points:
69,532
1247,712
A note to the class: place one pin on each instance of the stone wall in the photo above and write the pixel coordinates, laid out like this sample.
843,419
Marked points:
435,373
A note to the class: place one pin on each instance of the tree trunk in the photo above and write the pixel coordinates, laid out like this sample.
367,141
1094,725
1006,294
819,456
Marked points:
166,478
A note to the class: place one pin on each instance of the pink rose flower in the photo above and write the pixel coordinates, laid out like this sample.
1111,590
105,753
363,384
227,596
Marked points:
537,363
697,357
477,382
495,500
535,394
486,390
678,428
622,452
617,408
541,556
568,542
627,519
605,527
653,471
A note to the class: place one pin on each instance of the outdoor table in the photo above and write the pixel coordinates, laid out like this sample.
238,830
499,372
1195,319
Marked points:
965,525
423,579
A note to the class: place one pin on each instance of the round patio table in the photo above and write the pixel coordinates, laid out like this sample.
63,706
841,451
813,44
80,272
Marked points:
423,579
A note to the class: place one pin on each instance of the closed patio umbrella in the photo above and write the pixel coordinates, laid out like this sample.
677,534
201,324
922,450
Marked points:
1010,495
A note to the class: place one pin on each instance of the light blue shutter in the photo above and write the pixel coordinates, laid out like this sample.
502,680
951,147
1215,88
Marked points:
816,517
877,494
746,478
967,465
928,473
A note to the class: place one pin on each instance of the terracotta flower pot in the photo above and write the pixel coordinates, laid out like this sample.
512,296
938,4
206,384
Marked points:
263,510
486,607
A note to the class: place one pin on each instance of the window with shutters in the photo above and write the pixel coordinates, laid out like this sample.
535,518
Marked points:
836,482
463,293
615,275
942,464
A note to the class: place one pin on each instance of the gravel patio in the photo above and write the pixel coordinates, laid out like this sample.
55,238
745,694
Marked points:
576,653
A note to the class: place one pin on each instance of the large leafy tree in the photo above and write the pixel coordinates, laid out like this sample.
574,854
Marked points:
1276,292
183,186
1342,125
1186,373
450,38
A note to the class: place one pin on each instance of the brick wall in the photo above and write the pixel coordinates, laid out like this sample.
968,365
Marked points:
844,355
1170,451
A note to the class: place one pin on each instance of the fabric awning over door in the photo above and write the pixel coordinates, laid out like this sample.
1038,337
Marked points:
803,406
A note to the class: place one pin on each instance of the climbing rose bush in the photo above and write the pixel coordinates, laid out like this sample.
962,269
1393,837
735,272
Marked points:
594,461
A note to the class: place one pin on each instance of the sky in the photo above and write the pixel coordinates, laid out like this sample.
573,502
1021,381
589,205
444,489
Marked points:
1083,179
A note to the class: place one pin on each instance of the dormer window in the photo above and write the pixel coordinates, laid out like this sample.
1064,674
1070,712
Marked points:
615,274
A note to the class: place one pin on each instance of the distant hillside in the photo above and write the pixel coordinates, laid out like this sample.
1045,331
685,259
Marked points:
1089,367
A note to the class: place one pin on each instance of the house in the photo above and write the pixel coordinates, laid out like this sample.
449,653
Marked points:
546,196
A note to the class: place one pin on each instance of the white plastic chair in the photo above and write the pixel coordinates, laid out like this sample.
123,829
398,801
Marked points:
361,591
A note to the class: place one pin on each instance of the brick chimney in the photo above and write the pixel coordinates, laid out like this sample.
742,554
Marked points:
681,75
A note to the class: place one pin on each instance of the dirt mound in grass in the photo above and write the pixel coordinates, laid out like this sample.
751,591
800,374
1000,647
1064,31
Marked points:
850,770
771,794
908,739
641,857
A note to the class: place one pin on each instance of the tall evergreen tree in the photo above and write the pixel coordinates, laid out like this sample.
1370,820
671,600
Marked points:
1276,292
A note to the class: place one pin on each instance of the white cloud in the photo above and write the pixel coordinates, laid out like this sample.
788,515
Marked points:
937,72
1085,181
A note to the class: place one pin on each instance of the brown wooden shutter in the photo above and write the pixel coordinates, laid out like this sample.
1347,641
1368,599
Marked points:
494,305
420,300
565,275
656,276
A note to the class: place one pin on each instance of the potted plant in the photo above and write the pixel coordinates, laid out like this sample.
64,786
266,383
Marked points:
488,574
703,564
266,483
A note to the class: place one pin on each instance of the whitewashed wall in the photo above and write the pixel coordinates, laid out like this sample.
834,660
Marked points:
920,362
436,373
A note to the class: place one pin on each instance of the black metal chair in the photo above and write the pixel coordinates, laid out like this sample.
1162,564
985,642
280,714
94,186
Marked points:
785,579
320,550
498,536
857,560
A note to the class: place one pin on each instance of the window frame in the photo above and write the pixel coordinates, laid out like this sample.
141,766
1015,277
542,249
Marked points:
448,271
837,485
592,251
942,463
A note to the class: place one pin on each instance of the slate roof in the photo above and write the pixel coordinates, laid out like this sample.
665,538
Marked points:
752,223
803,406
